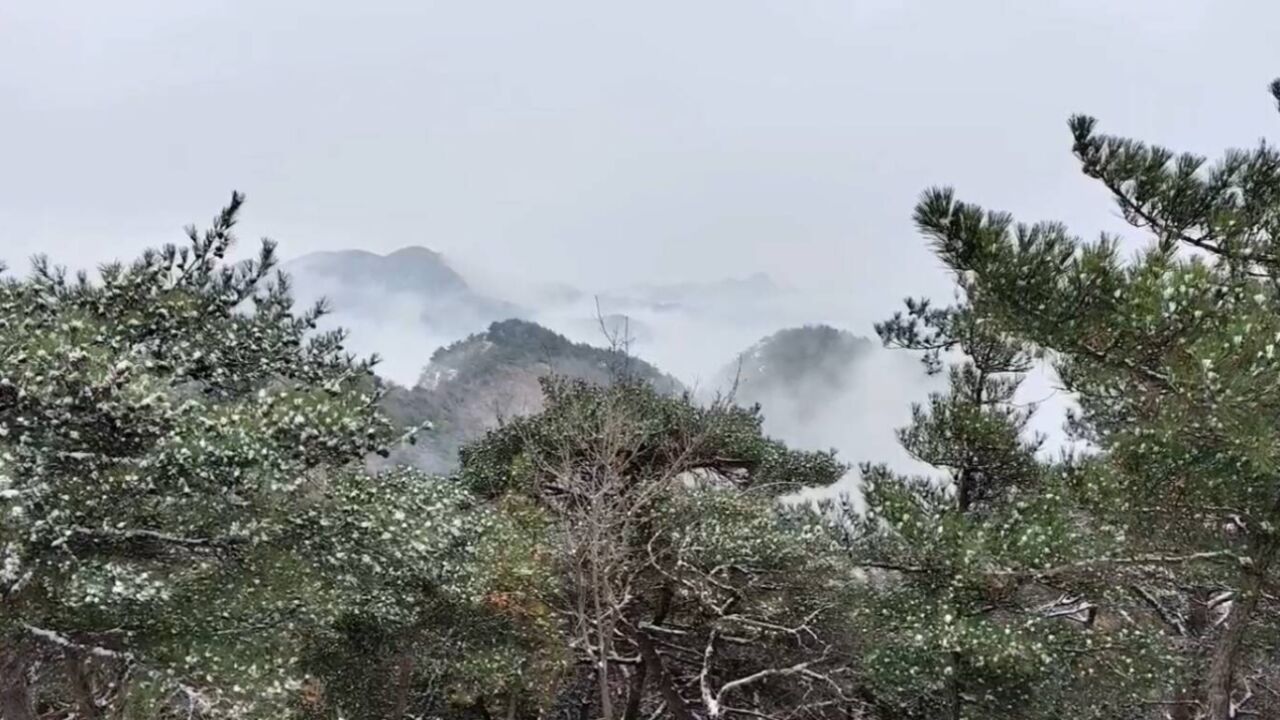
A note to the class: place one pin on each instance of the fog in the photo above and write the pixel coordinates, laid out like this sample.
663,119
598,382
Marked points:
572,140
696,332
858,412
697,342
608,146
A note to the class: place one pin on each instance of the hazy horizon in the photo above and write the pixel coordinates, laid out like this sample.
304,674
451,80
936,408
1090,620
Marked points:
574,142
604,147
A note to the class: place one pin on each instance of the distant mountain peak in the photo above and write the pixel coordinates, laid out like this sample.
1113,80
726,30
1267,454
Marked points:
798,356
527,344
412,291
472,385
416,270
416,252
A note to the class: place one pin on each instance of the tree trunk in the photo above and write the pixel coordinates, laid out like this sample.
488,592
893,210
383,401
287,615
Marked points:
1226,652
1184,705
603,632
676,707
954,700
15,694
404,682
955,703
81,686
636,692
638,681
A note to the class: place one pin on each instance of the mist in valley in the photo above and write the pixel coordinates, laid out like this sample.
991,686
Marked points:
701,333
658,177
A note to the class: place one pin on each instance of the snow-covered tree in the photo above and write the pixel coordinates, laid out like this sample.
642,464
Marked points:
1172,354
443,624
681,587
964,614
174,513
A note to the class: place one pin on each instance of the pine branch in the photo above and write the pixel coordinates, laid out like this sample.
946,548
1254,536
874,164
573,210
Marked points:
1098,563
55,638
124,536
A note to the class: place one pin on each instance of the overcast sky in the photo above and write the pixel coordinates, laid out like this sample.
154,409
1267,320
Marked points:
580,139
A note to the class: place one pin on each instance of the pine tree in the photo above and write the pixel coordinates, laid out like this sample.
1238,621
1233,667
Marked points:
1172,356
964,617
174,513
681,586
434,618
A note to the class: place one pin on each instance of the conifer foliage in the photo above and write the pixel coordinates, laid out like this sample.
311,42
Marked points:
189,526
168,435
967,617
679,586
1172,355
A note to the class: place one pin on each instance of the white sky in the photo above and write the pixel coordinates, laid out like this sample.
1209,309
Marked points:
577,139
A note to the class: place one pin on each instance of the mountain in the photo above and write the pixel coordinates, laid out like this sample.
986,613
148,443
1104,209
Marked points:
470,386
401,305
411,269
796,370
821,388
405,304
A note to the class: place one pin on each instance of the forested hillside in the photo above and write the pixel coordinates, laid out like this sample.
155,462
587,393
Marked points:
795,372
190,526
473,385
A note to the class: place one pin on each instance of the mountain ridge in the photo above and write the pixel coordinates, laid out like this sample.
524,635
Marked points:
473,385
